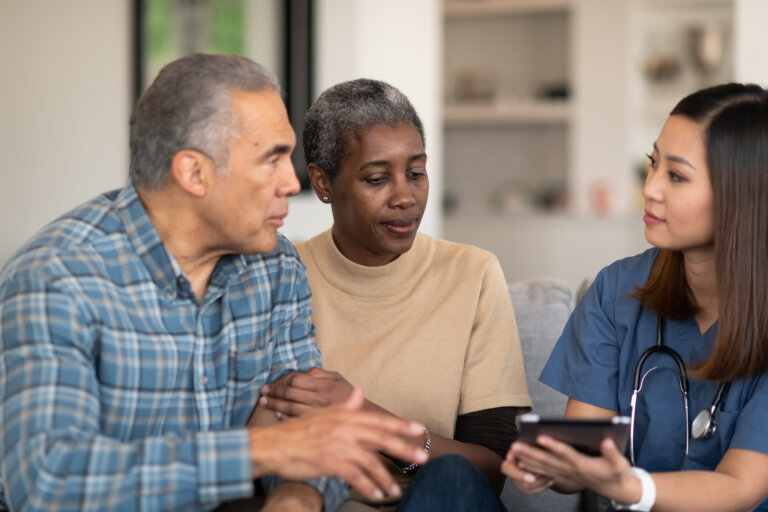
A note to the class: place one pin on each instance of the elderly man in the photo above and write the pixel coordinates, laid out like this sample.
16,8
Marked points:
138,328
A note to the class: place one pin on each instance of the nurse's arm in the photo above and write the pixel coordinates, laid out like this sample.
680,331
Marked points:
738,483
577,409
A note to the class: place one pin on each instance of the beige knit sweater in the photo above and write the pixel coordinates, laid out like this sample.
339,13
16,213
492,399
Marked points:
428,336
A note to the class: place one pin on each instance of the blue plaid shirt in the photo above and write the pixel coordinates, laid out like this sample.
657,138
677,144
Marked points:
119,390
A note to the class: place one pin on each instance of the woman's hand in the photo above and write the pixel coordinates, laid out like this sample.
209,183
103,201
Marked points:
297,393
608,474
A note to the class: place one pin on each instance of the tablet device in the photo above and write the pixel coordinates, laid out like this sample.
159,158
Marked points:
583,434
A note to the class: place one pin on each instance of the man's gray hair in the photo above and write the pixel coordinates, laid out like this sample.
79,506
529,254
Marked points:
346,109
189,106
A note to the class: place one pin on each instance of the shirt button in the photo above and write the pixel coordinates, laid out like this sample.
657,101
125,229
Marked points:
203,380
181,281
170,295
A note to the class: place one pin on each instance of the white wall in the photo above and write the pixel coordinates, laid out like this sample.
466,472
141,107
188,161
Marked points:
64,103
399,42
65,98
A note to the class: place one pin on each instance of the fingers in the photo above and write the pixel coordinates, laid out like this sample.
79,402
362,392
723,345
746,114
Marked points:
355,400
541,459
283,408
323,374
368,475
526,481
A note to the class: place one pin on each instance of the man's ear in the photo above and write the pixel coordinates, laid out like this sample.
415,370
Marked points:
320,182
192,171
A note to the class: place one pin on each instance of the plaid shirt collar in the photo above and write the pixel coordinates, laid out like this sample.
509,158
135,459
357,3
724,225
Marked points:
161,265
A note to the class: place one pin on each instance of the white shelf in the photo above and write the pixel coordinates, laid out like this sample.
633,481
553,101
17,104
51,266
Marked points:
687,3
475,8
529,112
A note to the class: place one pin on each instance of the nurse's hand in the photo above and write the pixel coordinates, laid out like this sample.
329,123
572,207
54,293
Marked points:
608,475
526,481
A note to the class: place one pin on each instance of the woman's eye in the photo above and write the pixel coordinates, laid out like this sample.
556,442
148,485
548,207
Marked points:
416,174
652,161
375,180
675,178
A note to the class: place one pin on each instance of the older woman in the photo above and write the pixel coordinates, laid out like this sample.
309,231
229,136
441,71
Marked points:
425,326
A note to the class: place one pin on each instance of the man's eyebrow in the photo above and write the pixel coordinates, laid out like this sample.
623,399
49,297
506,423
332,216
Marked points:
377,163
675,158
277,149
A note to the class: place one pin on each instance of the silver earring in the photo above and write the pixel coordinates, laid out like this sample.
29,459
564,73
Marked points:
325,199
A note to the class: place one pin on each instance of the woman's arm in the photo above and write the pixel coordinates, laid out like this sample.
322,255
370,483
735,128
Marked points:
738,482
297,393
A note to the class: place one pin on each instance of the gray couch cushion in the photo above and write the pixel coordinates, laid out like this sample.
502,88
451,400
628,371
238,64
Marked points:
542,306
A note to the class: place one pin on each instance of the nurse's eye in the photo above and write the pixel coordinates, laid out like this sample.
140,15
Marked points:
675,177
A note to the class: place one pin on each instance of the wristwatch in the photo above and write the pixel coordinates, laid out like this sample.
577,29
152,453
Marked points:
647,497
412,467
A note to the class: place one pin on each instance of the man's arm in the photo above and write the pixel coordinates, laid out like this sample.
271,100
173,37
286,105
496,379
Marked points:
54,452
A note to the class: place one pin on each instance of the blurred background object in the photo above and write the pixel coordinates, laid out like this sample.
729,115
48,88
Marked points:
539,163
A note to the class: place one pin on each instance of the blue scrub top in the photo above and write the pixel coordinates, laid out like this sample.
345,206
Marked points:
595,358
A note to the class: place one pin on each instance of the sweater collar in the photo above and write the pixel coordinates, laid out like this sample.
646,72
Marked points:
394,278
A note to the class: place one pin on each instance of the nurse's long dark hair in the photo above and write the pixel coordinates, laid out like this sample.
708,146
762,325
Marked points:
735,117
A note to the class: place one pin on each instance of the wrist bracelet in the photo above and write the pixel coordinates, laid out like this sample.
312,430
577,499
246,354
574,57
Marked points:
647,496
411,467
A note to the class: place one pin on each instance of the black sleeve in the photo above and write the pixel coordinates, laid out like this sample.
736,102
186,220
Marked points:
493,428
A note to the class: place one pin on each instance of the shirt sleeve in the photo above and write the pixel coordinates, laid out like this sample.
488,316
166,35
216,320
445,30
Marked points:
296,349
494,375
585,361
493,428
55,455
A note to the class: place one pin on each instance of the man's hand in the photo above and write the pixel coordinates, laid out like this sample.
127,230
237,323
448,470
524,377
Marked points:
293,496
297,393
337,441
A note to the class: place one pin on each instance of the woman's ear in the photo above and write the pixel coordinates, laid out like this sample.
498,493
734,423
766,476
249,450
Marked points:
320,182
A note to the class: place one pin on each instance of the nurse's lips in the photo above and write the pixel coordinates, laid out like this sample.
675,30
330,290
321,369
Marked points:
400,226
650,218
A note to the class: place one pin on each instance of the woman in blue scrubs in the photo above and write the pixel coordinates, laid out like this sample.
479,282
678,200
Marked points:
704,286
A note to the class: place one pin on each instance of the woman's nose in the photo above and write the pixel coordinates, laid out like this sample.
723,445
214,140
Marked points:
652,188
402,195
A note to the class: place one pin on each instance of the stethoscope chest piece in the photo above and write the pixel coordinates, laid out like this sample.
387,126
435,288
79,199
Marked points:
704,425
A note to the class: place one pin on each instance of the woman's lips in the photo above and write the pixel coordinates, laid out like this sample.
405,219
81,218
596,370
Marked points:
651,219
400,227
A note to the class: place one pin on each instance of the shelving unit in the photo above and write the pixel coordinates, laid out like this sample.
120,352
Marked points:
510,113
502,57
467,8
553,186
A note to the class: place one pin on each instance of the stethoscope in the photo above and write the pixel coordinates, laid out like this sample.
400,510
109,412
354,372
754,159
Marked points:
704,425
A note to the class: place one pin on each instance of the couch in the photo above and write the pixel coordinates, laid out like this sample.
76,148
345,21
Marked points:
542,306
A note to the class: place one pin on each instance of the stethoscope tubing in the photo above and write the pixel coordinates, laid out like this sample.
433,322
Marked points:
637,385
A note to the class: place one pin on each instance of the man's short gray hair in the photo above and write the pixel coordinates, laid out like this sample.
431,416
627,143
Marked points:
344,110
189,106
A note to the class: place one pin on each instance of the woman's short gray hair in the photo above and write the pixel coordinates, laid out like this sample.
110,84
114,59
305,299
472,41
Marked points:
346,109
189,106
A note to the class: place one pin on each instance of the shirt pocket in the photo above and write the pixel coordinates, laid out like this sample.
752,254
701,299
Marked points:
705,454
247,373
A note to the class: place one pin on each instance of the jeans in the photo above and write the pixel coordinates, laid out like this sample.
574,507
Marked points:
450,483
